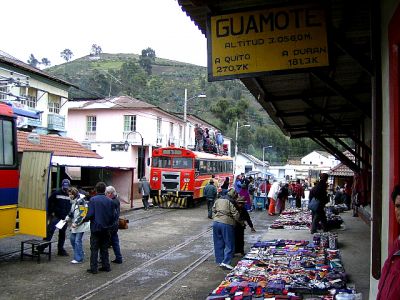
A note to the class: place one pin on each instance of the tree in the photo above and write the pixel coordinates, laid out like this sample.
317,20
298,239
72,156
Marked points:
45,62
66,54
147,58
33,61
96,50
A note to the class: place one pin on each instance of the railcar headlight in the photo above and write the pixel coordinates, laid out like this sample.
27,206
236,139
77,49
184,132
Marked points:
155,178
186,180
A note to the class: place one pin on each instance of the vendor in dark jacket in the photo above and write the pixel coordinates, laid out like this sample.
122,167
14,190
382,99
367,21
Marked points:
103,217
241,225
319,192
59,206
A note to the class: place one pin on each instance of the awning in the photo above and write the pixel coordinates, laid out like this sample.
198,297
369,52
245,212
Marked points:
88,162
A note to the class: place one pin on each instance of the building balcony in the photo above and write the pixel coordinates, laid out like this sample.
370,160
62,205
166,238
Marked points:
56,122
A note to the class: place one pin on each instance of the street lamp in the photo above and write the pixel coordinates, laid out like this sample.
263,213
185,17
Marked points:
140,158
236,139
266,147
185,112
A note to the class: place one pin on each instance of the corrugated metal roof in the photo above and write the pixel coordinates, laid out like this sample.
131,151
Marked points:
60,146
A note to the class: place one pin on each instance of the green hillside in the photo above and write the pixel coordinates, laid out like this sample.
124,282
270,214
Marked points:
226,103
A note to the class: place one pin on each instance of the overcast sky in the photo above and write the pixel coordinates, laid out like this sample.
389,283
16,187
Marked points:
47,27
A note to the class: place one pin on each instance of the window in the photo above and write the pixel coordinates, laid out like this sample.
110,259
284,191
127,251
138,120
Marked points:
171,129
91,124
203,167
6,144
3,91
162,162
159,122
182,163
54,104
129,123
31,96
180,132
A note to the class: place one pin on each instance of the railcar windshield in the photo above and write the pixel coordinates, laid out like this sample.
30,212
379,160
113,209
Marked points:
7,144
162,162
182,163
172,162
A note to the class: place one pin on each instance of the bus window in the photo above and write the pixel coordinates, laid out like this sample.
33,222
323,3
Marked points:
162,162
203,167
213,166
6,143
230,167
182,163
197,165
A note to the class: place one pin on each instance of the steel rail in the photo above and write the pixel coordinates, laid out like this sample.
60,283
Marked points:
148,263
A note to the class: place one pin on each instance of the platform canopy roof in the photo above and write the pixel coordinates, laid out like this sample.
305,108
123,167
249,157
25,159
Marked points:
324,104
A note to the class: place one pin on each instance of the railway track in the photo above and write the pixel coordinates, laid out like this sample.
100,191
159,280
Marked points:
151,262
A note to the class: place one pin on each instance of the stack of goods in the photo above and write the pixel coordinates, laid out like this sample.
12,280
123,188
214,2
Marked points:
285,269
293,219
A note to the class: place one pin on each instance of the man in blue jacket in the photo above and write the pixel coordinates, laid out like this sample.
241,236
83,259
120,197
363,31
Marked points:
103,216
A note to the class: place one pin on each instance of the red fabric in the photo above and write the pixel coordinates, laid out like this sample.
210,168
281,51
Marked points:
298,189
389,284
271,208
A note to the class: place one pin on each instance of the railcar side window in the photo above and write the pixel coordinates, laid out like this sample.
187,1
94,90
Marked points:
203,167
182,163
6,144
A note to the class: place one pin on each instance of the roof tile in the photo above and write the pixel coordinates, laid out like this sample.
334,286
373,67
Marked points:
60,146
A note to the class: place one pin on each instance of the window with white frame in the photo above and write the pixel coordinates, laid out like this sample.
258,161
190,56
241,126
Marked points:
30,96
91,123
171,129
159,122
54,104
4,89
129,123
180,132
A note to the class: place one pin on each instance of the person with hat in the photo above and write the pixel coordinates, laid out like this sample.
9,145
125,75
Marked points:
59,206
210,193
241,225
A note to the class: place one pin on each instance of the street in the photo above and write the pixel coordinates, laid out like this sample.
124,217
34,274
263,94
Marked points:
168,254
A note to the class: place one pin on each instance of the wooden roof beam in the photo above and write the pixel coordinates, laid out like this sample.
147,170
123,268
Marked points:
347,48
337,153
330,83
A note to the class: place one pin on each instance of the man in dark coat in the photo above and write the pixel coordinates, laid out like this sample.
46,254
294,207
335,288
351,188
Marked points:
144,190
319,192
59,206
111,193
210,193
103,217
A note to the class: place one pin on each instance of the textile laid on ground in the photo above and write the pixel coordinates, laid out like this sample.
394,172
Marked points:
295,218
285,269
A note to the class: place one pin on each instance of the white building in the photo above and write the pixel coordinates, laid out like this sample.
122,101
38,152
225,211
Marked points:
31,88
246,163
320,159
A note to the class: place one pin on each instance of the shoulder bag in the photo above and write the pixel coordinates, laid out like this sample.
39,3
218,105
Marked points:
313,204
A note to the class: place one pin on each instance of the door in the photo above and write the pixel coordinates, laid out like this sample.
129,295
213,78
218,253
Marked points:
394,108
34,188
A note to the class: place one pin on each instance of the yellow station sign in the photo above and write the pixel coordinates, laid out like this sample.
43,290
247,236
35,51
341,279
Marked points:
273,39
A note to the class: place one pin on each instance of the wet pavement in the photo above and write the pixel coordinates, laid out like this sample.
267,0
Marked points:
168,254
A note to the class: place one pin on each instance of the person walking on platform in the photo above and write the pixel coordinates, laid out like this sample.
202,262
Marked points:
389,283
273,196
103,217
111,193
225,218
319,192
59,206
298,193
78,211
210,193
144,190
241,225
